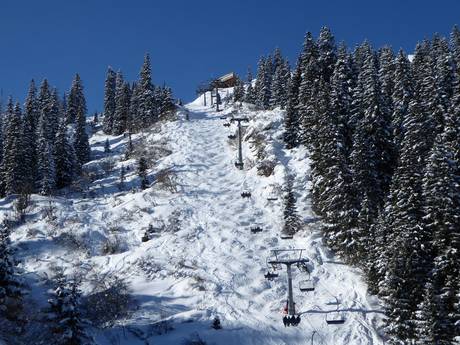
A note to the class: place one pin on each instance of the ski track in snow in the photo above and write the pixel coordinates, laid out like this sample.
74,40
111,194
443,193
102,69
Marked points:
215,244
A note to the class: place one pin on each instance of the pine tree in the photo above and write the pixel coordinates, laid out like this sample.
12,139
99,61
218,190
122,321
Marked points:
121,185
107,146
341,97
55,114
46,168
369,152
260,90
45,141
291,120
31,119
76,101
263,82
405,260
81,143
142,172
238,93
327,53
443,68
278,89
109,101
310,72
385,142
45,103
250,96
147,114
442,218
134,120
428,318
10,285
122,98
64,157
402,94
13,169
278,60
281,75
292,221
68,325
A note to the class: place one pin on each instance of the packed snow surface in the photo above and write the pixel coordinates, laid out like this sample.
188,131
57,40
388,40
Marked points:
212,265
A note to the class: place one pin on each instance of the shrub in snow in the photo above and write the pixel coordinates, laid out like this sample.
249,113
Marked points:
72,241
113,245
21,205
266,167
107,164
166,179
109,300
49,211
216,323
174,221
149,267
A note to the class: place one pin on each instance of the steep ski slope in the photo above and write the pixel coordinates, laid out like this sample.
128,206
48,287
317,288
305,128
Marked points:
212,265
216,243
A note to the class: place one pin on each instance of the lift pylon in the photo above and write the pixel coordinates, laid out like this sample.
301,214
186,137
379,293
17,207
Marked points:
239,163
288,258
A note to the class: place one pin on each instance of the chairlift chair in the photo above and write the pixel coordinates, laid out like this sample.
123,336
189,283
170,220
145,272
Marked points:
306,285
292,320
256,229
335,317
246,194
271,275
145,237
232,136
272,266
302,266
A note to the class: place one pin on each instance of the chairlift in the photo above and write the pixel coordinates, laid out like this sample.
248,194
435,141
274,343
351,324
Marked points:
271,275
227,124
256,229
232,137
335,317
302,266
272,266
145,237
291,320
246,194
306,285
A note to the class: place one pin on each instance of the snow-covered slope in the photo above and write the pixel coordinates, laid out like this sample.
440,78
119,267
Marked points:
212,265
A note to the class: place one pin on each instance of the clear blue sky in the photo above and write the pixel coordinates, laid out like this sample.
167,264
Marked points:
189,41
